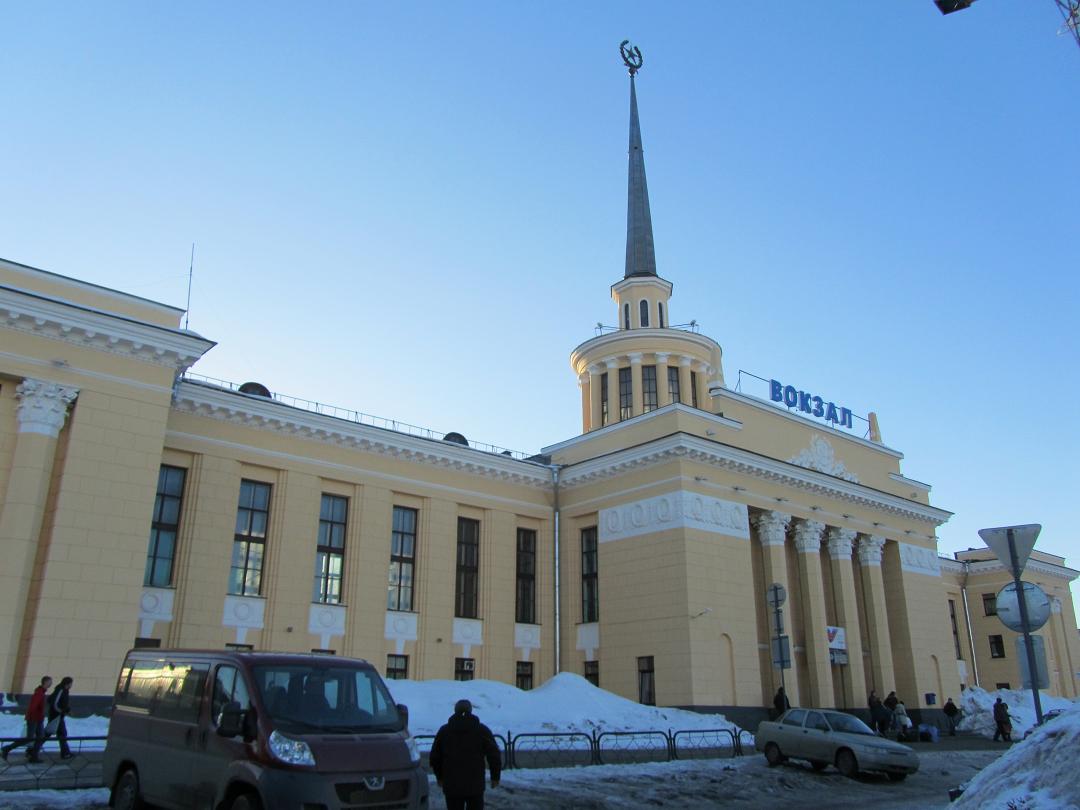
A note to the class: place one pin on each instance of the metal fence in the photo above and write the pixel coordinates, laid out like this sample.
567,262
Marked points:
83,769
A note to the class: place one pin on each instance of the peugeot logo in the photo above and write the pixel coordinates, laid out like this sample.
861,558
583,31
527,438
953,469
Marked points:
374,782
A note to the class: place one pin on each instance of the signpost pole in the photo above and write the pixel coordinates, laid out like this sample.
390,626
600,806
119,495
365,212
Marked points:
1029,646
780,645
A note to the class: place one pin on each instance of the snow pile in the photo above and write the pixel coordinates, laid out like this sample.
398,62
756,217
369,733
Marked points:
1039,772
14,725
5,702
978,708
567,702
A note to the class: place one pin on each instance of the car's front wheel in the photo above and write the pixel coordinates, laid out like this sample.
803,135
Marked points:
773,755
846,763
126,794
246,801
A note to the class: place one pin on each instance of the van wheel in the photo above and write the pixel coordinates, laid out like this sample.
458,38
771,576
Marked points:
126,794
846,763
246,801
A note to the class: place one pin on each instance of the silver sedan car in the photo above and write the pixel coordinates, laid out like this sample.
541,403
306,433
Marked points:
823,737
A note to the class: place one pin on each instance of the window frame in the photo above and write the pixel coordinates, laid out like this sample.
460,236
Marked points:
159,527
997,645
643,313
626,393
989,601
605,415
591,673
649,396
693,389
523,675
673,384
647,680
626,316
397,667
955,629
467,570
660,314
525,590
400,561
590,576
326,553
246,541
464,669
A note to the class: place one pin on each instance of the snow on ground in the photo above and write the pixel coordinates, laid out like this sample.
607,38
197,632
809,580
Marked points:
12,725
1036,774
978,708
50,799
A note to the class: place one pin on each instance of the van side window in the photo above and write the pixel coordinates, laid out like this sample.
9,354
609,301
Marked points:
228,686
138,685
180,692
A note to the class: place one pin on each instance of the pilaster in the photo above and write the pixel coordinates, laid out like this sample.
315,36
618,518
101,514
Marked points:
816,640
771,529
870,550
853,674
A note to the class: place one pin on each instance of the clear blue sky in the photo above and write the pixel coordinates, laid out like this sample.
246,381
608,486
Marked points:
416,209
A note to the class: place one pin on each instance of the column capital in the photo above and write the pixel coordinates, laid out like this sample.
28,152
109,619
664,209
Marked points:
870,549
612,362
595,368
661,358
840,542
583,379
808,535
43,406
771,527
635,357
685,360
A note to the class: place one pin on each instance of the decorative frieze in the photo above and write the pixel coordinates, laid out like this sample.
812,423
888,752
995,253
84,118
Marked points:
919,560
43,406
840,542
771,527
870,549
674,510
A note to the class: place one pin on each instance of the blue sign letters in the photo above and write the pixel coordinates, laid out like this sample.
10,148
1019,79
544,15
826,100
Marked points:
808,403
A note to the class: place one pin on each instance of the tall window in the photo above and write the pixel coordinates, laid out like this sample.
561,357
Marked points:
592,672
330,550
693,388
590,596
468,568
525,610
464,669
955,629
626,316
164,527
660,312
648,388
402,559
397,667
603,400
673,383
626,394
990,604
646,681
249,541
524,675
643,310
997,647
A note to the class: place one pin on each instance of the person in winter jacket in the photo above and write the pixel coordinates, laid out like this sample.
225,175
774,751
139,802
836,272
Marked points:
458,755
1002,725
780,703
35,724
952,714
59,709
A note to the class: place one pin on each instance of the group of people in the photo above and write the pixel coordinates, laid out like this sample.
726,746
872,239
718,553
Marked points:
45,717
887,713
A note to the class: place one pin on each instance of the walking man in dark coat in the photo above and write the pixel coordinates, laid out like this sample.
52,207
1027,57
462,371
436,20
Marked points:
35,724
458,755
780,703
952,714
1002,724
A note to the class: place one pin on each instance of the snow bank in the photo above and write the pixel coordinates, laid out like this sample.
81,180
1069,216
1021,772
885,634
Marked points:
1039,772
38,799
978,707
567,702
12,725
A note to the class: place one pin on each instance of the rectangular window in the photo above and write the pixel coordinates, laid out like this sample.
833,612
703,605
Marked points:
402,559
673,382
955,629
468,568
989,604
524,675
646,681
626,394
592,672
997,647
604,418
693,388
590,597
1004,685
249,540
164,527
648,388
397,667
525,605
330,549
464,669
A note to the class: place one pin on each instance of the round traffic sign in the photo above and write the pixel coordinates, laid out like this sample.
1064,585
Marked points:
1008,606
776,595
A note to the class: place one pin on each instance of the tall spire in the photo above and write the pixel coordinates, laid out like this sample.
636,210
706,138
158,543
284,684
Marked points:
640,254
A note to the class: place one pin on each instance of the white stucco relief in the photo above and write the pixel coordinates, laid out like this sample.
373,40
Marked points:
43,406
326,621
155,605
468,633
919,560
243,613
675,510
526,638
400,627
588,639
821,457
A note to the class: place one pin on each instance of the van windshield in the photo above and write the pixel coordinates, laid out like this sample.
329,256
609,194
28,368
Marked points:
309,698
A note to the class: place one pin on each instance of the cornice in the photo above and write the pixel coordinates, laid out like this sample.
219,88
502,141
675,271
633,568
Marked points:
612,343
103,331
910,482
681,445
262,414
993,566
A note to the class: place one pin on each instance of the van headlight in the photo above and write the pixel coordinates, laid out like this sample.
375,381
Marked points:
414,749
294,752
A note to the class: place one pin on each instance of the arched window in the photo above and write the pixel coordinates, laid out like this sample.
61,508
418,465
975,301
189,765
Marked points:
660,312
644,308
626,316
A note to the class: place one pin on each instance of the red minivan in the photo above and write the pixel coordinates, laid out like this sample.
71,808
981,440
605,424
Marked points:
227,730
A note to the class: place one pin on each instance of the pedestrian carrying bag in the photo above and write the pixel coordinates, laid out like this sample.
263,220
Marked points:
52,725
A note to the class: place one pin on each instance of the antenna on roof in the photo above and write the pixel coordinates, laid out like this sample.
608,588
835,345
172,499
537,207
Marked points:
191,269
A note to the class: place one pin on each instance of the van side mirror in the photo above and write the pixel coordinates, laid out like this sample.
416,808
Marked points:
230,721
403,710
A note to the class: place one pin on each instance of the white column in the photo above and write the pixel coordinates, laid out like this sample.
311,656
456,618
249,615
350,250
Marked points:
663,391
638,401
612,390
815,633
852,675
882,676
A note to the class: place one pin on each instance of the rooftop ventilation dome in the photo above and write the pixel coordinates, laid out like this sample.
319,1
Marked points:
255,389
456,438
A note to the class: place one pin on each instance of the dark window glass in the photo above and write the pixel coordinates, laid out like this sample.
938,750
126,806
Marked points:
590,597
990,604
525,605
693,388
816,721
464,669
673,382
955,629
592,672
626,394
643,310
330,551
646,681
249,541
164,527
397,667
524,675
660,312
626,316
229,686
402,559
795,717
997,647
468,568
603,400
648,388
1004,685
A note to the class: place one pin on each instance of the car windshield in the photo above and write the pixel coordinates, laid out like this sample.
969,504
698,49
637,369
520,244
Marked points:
308,698
848,723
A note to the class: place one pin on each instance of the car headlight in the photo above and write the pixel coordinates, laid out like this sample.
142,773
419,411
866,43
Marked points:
414,749
294,752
